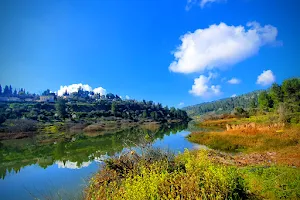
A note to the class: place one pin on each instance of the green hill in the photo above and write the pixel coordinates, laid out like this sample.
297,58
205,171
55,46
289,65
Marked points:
224,105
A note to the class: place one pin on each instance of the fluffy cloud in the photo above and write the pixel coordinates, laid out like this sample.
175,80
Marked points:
234,95
99,90
220,46
234,81
181,104
127,97
266,78
203,88
201,3
74,88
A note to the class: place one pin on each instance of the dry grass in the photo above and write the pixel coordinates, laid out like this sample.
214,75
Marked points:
285,143
219,122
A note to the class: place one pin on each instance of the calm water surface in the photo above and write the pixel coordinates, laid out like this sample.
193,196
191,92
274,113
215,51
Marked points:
61,170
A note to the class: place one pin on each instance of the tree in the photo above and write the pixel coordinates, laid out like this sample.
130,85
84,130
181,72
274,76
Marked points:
276,94
282,112
0,90
153,115
118,98
145,115
66,93
10,92
21,92
291,91
15,92
240,112
6,91
61,108
264,100
253,104
113,108
46,92
110,96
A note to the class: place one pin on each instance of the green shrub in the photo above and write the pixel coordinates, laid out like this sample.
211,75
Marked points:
188,176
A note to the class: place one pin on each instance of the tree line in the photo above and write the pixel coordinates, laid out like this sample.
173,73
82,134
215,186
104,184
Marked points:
283,100
8,91
64,110
226,105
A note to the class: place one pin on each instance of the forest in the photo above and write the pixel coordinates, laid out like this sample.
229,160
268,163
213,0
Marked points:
283,99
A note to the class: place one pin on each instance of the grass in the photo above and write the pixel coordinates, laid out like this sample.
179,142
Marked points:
250,140
190,175
218,122
275,182
160,176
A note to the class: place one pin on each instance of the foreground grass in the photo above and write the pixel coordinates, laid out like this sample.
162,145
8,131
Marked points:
160,176
275,182
190,175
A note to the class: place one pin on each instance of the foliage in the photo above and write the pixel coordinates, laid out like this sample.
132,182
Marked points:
61,108
188,176
19,125
91,112
224,105
240,112
265,101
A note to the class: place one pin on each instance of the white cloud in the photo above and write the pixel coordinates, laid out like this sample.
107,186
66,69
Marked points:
203,88
234,81
201,3
127,97
74,88
72,165
99,90
266,78
234,95
181,104
220,46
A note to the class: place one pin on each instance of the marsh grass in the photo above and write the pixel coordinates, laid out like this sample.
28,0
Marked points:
250,140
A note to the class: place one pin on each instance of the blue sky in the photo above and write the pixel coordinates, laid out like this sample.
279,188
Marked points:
127,47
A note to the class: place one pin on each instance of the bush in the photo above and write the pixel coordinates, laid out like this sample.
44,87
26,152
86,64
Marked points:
188,176
20,125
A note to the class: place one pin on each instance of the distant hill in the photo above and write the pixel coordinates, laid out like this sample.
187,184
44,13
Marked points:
224,105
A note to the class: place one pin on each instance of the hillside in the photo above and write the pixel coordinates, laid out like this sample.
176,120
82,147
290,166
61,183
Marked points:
224,105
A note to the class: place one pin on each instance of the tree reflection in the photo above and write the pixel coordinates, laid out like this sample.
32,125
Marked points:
80,148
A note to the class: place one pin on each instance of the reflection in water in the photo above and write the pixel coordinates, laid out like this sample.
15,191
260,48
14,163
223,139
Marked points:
75,151
72,165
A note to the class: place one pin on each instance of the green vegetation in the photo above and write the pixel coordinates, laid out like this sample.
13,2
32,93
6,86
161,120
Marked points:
81,111
156,174
224,105
283,99
64,116
275,182
159,175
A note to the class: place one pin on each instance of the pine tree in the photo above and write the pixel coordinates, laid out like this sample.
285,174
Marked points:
10,92
6,91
